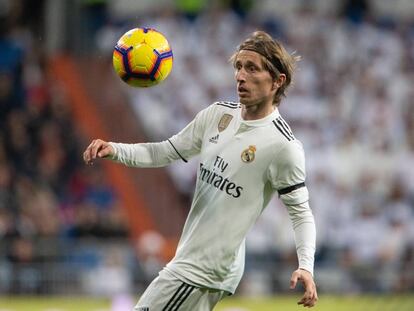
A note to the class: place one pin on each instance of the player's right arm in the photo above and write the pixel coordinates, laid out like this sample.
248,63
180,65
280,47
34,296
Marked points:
183,145
98,148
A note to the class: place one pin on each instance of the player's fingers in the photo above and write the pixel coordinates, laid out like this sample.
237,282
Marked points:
86,157
309,299
312,302
309,303
92,150
315,295
87,153
309,285
96,146
294,280
306,297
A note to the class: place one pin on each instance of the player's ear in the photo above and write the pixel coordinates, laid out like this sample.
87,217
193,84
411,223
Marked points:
279,81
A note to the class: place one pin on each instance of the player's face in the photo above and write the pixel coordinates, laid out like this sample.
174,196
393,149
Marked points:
255,85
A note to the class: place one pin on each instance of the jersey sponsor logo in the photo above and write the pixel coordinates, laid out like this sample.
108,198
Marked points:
142,309
222,183
214,139
248,154
224,122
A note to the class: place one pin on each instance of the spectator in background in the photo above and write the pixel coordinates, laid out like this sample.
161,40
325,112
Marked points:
111,267
356,10
11,66
37,143
26,275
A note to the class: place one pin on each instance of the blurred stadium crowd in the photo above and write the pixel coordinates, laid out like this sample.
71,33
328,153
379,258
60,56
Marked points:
45,192
351,106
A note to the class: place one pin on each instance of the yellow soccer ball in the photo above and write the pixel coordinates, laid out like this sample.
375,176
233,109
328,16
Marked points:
142,57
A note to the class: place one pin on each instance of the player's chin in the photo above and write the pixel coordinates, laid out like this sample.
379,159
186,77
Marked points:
245,101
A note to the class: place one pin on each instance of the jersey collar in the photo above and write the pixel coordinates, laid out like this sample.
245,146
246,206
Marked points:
261,122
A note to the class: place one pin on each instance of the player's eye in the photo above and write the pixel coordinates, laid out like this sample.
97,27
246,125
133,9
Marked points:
252,68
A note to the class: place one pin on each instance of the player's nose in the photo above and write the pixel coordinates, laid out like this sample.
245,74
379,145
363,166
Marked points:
241,75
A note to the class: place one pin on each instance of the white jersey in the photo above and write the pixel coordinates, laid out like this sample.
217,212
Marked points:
242,164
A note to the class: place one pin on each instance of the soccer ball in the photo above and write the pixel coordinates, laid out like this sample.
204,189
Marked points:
142,57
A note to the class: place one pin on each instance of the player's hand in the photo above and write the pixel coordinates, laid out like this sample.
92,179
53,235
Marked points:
310,297
97,149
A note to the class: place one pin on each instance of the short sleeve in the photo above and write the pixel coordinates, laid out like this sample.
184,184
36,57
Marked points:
287,173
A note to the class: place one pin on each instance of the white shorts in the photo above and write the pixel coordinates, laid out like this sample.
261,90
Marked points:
167,293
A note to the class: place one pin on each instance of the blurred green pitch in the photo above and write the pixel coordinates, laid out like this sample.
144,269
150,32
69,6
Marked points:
285,303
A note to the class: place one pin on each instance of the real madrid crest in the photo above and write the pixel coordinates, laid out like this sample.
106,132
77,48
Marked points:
248,154
224,122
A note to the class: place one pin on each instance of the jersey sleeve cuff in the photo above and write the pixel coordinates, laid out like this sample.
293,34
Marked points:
116,151
306,268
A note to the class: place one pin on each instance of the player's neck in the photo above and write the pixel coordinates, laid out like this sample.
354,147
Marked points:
256,112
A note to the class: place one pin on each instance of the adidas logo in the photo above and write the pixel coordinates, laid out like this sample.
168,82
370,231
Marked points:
214,139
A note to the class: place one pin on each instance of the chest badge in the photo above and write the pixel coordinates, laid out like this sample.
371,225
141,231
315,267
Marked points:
224,122
248,154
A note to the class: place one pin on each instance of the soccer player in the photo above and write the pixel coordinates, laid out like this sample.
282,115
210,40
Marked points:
247,154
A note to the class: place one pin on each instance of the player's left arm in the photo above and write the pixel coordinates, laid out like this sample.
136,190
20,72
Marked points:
287,174
305,239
